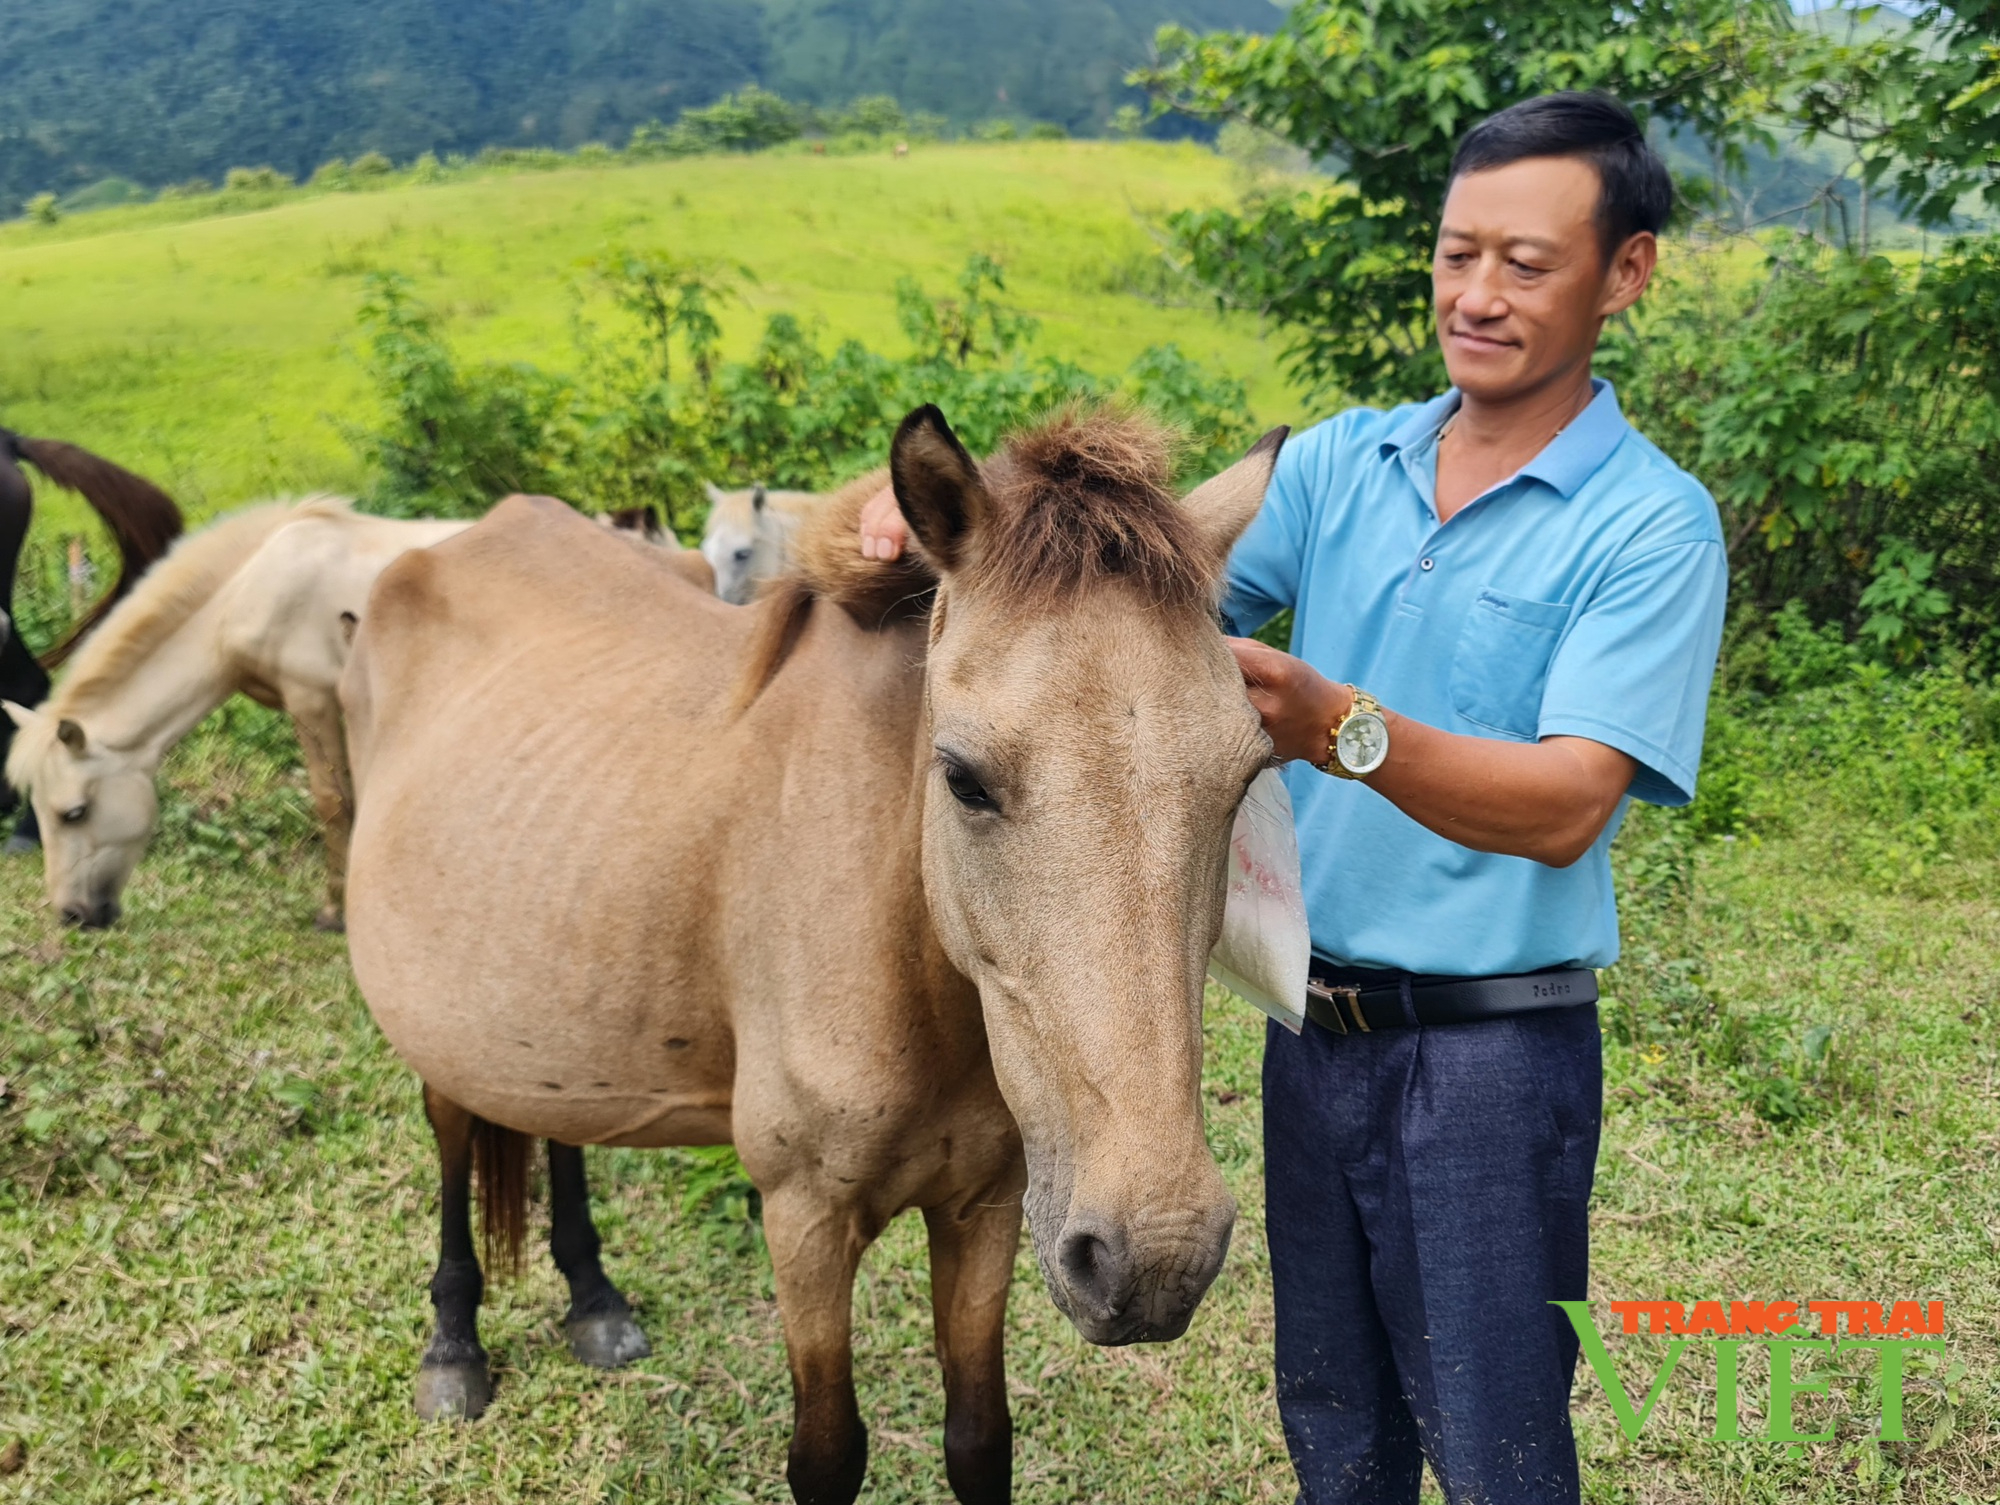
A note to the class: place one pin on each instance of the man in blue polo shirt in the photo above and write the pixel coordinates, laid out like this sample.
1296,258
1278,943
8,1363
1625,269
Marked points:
1506,610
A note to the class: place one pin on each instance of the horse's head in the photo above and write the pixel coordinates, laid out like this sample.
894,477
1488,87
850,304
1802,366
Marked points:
96,806
1090,742
735,542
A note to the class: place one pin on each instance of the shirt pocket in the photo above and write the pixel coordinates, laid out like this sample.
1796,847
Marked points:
1502,662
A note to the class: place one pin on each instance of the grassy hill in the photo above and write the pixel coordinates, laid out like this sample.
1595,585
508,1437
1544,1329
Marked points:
215,351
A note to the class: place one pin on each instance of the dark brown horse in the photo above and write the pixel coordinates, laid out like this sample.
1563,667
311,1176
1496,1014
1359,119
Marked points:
143,521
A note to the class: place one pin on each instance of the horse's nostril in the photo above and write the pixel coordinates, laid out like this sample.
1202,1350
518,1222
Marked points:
1096,1271
72,915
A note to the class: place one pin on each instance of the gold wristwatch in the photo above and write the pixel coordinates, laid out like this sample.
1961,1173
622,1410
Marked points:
1358,744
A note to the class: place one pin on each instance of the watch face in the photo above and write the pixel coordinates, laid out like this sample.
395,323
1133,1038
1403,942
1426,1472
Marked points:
1363,742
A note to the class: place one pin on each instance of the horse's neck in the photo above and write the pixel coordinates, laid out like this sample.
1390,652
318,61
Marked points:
866,688
164,695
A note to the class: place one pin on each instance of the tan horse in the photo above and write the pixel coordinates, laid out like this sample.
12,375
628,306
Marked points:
254,605
859,879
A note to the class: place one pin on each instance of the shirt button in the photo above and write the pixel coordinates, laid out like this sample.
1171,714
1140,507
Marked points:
1424,564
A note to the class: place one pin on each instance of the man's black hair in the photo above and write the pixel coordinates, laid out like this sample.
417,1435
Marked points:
1636,193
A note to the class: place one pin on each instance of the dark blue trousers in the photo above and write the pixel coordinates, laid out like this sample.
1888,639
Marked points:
1427,1196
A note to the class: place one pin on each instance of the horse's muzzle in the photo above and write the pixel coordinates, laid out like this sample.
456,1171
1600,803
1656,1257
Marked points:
1114,1293
95,915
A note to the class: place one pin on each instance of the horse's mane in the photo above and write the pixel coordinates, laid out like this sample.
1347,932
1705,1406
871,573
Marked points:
172,591
1081,499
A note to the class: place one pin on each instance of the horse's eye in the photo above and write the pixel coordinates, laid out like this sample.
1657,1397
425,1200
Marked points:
742,556
967,790
75,815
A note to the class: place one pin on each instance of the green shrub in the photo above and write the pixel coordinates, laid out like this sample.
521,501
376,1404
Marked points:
652,411
254,180
332,173
451,440
42,209
189,188
371,165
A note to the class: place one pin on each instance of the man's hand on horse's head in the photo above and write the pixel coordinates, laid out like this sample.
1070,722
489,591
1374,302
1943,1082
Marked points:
1299,705
883,531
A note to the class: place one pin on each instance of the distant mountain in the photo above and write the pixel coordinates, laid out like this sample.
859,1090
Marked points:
1059,60
164,90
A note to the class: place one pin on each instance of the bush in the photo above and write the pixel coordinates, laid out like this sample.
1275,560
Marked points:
189,188
42,209
1845,411
254,180
330,174
451,441
749,120
371,165
653,411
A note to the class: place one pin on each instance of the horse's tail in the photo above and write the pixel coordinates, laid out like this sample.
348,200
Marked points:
500,1160
143,520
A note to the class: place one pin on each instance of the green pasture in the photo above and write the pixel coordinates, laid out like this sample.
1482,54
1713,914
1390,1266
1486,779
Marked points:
217,1193
215,350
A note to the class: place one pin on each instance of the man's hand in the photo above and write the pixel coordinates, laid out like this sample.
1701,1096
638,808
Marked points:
883,531
1548,800
1300,706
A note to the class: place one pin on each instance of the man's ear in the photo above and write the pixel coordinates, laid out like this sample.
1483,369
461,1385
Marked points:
1222,508
70,734
20,715
937,487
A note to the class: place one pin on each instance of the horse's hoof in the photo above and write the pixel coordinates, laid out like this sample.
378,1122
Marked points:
453,1392
607,1340
331,921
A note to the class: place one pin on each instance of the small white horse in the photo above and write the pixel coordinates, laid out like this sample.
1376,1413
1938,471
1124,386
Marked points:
262,603
748,537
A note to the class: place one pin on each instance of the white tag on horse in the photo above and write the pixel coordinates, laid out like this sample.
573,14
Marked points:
1266,947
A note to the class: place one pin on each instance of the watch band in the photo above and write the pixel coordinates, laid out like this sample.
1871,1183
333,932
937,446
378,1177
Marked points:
1358,700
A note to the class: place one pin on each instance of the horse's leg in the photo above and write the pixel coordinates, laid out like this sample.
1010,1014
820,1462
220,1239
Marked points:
452,1382
815,1247
318,721
972,1263
600,1326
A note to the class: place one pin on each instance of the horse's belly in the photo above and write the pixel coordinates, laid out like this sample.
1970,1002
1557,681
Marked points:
576,1021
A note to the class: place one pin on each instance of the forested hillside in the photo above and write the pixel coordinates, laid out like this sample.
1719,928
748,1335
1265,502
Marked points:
165,90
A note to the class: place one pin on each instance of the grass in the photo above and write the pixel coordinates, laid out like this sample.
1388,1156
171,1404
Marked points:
214,352
217,1202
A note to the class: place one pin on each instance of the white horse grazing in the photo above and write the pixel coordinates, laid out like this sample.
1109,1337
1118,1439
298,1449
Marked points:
262,603
748,537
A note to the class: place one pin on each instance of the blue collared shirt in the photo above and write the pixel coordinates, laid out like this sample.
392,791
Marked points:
1582,598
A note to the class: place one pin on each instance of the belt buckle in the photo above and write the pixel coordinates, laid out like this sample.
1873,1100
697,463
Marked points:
1335,995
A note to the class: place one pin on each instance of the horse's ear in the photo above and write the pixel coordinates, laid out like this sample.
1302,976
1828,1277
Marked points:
757,499
714,493
70,734
1221,508
937,486
20,715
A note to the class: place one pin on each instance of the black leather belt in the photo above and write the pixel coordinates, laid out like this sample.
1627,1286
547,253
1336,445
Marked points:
1351,1000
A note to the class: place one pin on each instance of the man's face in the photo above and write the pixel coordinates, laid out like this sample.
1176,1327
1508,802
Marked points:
1520,279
